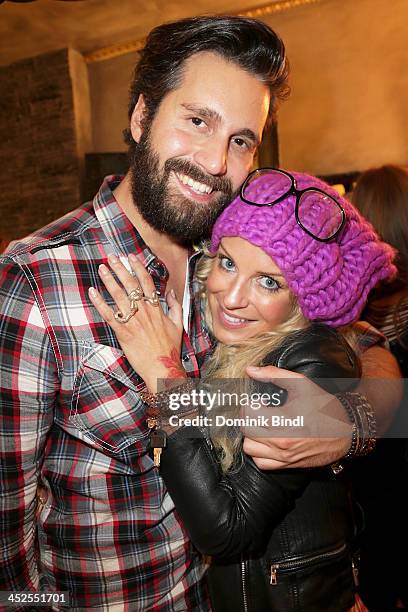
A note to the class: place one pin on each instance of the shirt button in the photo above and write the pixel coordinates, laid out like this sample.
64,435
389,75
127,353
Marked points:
186,357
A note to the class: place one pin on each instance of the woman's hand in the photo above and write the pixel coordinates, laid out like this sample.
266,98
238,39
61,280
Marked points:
150,340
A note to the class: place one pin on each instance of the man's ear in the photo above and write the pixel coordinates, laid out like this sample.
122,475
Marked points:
136,120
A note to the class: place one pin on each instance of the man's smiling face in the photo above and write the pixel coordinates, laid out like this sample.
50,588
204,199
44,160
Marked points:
199,147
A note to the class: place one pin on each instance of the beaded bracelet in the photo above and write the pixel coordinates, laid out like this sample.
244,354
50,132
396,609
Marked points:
158,402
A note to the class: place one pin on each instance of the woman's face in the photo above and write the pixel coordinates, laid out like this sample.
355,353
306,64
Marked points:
247,293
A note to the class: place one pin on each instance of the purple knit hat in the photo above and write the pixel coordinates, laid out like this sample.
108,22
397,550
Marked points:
331,280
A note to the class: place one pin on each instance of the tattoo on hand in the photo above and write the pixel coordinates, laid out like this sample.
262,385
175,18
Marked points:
173,365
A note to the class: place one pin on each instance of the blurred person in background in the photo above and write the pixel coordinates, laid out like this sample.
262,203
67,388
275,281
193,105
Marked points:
381,194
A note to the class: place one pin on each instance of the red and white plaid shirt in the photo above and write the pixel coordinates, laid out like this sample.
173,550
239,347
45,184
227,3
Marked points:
72,420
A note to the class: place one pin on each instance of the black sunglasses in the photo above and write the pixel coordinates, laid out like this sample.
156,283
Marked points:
317,212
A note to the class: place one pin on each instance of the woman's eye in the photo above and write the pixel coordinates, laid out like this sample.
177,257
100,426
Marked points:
269,283
226,263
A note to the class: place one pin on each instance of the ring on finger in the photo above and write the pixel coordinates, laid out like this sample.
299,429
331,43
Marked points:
136,294
121,318
134,297
154,299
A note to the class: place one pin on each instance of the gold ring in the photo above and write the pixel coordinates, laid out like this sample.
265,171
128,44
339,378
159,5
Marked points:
154,299
135,295
121,318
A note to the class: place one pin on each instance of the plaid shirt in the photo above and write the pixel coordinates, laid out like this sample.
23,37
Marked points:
72,420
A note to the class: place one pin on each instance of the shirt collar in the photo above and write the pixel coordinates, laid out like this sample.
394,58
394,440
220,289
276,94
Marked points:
122,235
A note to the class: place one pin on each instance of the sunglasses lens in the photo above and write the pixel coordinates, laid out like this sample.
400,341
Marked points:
264,187
319,214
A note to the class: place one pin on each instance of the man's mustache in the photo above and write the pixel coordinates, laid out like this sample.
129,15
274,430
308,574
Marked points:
217,183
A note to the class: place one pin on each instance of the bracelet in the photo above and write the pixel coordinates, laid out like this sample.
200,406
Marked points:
355,441
157,403
362,417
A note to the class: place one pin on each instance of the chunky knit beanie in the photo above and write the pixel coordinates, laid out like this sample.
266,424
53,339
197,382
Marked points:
331,280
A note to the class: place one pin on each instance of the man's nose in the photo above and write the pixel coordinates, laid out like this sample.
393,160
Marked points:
212,156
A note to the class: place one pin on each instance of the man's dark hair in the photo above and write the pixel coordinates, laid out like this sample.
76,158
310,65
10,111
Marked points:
249,43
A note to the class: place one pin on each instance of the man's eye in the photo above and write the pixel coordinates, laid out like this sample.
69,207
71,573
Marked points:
241,143
226,263
197,121
269,283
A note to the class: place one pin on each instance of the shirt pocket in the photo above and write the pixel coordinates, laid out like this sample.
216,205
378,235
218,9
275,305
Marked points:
106,406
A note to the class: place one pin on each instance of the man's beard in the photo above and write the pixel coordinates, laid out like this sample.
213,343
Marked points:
166,209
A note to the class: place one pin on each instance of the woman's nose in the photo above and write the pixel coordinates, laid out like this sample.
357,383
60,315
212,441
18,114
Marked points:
236,295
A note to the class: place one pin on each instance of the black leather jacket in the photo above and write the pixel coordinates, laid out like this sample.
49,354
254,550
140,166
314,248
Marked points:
279,540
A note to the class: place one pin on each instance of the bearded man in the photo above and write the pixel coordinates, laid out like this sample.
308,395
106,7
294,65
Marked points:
72,418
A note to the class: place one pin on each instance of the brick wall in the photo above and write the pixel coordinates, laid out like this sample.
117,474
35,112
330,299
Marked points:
45,129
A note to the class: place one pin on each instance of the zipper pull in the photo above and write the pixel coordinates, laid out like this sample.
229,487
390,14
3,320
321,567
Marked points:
274,569
158,439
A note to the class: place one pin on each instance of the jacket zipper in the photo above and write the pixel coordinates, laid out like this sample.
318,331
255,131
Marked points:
354,566
296,564
244,590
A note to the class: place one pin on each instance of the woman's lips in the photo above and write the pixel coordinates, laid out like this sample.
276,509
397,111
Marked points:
230,321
